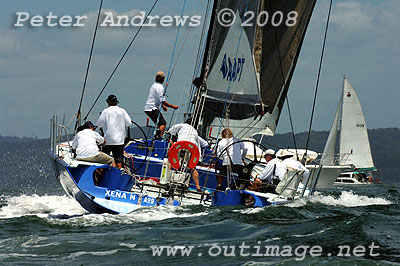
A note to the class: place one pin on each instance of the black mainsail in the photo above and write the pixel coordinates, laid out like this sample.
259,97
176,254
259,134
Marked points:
249,64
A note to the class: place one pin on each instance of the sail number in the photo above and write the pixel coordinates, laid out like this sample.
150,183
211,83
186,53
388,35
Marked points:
226,18
360,125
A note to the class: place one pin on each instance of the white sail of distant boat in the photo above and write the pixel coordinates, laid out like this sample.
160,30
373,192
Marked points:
354,147
354,150
354,142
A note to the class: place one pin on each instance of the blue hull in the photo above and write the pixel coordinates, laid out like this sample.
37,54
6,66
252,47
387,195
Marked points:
112,195
238,197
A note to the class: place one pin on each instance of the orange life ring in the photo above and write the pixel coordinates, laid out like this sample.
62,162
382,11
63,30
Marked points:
183,145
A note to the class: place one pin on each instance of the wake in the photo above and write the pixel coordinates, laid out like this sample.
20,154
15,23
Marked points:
65,210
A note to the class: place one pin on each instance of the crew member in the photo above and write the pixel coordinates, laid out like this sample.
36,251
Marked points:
234,157
85,142
115,120
155,100
271,175
288,161
186,132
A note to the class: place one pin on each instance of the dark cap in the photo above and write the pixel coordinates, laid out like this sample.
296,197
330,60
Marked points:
189,119
88,124
112,98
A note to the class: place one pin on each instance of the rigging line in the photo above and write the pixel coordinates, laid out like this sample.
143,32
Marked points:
291,123
172,60
173,51
172,116
230,78
170,64
183,44
283,81
319,74
78,115
183,90
121,59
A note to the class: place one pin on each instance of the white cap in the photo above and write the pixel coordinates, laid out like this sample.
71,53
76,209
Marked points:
286,153
269,152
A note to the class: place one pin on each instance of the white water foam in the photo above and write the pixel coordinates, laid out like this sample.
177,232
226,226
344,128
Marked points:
251,210
94,253
65,210
142,215
346,199
41,206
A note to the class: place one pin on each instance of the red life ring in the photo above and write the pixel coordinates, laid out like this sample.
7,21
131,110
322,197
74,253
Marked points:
183,145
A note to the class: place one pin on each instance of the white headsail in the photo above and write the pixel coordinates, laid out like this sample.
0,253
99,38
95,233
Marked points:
328,156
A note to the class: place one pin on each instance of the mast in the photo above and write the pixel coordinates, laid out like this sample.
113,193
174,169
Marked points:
206,59
341,153
200,82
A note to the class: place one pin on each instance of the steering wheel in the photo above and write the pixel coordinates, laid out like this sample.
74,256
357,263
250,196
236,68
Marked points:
128,138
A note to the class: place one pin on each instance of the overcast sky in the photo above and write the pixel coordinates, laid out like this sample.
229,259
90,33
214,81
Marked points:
42,68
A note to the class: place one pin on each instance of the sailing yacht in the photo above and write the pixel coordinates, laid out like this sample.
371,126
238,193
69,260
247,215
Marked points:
244,78
354,158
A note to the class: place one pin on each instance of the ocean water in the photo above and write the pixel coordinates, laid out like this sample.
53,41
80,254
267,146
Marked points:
40,225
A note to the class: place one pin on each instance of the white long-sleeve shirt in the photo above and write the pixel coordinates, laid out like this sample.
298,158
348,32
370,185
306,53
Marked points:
115,120
85,143
268,173
295,165
237,152
188,133
155,97
185,132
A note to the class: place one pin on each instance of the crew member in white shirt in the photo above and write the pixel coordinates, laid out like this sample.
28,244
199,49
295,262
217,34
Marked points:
290,163
115,120
271,175
235,156
85,142
186,132
155,100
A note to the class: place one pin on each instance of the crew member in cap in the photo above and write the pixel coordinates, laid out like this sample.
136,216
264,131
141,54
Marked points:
115,120
155,100
86,141
289,162
271,175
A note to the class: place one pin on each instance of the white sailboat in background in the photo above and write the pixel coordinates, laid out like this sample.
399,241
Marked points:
354,158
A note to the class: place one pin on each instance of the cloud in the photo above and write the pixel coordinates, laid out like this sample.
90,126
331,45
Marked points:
42,70
352,17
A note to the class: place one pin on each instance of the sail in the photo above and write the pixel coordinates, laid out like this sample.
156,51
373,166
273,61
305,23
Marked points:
354,142
328,156
249,68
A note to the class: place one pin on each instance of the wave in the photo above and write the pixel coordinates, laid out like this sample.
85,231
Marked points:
41,206
65,210
345,199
